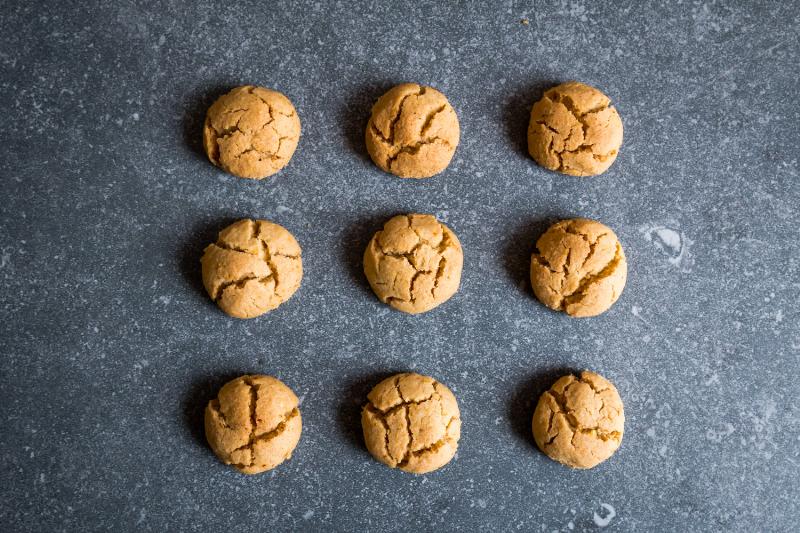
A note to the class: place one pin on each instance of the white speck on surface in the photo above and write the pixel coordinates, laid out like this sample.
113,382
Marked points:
671,242
637,312
307,515
603,521
720,435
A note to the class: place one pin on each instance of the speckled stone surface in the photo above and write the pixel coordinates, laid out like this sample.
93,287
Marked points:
110,348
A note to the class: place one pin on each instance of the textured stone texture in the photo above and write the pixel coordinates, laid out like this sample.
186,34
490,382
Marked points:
111,349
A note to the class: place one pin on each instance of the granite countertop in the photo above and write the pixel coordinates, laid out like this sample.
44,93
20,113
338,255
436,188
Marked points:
110,348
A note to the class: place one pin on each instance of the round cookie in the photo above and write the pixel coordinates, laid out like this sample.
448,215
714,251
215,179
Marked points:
251,132
254,423
580,421
413,131
579,267
254,266
411,422
575,130
414,263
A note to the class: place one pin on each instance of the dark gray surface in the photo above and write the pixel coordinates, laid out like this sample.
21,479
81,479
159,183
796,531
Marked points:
110,348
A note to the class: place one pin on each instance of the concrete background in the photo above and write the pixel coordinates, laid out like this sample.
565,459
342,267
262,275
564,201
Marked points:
110,348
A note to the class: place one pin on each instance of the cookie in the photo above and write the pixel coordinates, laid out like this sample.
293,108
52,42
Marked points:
580,421
411,422
413,131
254,423
414,263
579,267
251,132
575,130
254,267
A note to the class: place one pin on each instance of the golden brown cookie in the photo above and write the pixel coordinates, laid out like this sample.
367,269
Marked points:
414,263
579,267
251,132
254,423
254,266
580,421
411,422
575,130
413,131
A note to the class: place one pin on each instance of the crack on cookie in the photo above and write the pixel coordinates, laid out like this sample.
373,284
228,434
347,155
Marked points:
253,436
272,111
414,278
569,415
227,133
404,404
439,275
396,118
567,102
592,244
550,428
433,448
591,386
253,415
379,415
238,283
429,120
545,263
439,248
413,149
395,150
217,408
406,412
588,280
265,252
265,436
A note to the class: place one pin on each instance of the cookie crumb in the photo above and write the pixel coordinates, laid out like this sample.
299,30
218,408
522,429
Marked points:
525,21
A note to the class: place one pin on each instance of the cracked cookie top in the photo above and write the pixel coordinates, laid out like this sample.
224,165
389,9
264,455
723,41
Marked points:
413,131
579,267
575,130
580,421
254,423
251,132
254,266
411,422
414,263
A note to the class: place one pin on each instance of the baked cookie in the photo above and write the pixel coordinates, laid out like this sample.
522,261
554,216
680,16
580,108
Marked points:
251,132
411,422
580,421
414,263
575,130
579,267
254,266
254,423
413,131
